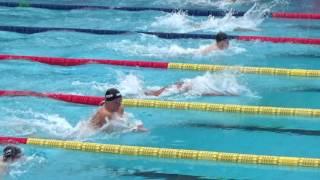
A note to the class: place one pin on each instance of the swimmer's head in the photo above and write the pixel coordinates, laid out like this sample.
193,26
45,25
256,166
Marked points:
222,40
113,99
11,153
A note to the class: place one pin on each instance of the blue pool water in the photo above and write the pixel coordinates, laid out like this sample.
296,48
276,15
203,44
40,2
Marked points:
226,132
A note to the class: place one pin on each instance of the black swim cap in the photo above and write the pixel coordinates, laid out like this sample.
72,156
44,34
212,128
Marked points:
221,36
11,152
112,94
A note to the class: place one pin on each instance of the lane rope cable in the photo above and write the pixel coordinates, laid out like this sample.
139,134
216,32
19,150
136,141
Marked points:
211,107
191,12
33,30
166,152
164,65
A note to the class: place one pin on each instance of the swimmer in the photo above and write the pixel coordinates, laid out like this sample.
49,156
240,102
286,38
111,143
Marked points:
183,87
222,43
10,155
111,110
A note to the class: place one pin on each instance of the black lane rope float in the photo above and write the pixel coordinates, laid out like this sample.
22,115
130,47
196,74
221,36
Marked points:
33,30
192,12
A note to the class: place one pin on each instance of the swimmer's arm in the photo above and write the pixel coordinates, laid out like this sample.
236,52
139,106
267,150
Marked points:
3,168
140,128
219,94
155,92
212,94
208,49
97,119
179,85
121,111
102,102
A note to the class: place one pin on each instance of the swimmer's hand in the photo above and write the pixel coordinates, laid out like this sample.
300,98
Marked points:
102,102
140,128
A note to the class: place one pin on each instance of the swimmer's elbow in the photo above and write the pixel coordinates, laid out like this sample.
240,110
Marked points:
121,111
220,94
207,50
204,51
93,125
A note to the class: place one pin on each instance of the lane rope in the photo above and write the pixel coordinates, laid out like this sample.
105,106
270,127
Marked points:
191,12
167,152
211,107
164,65
33,30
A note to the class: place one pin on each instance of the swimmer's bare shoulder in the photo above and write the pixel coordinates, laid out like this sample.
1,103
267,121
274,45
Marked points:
208,49
99,119
121,110
3,168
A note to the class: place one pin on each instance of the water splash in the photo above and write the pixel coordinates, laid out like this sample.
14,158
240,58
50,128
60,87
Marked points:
163,49
55,126
24,165
222,4
94,85
116,127
226,83
219,84
130,85
127,82
28,122
182,23
120,125
82,131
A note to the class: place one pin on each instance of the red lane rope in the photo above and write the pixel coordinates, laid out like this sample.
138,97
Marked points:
77,61
295,15
21,93
13,140
281,39
77,99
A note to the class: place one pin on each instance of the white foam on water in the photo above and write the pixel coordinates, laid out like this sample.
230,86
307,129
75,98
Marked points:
220,84
92,85
130,84
152,49
37,122
119,125
226,83
24,165
55,126
222,4
167,50
182,23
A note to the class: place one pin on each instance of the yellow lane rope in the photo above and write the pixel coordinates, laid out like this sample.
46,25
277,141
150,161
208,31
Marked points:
248,69
177,153
223,107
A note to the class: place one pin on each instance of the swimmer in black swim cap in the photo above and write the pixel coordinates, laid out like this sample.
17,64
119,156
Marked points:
112,94
111,106
11,153
111,110
222,43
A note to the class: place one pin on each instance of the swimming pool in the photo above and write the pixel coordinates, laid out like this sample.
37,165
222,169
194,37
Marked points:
227,132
